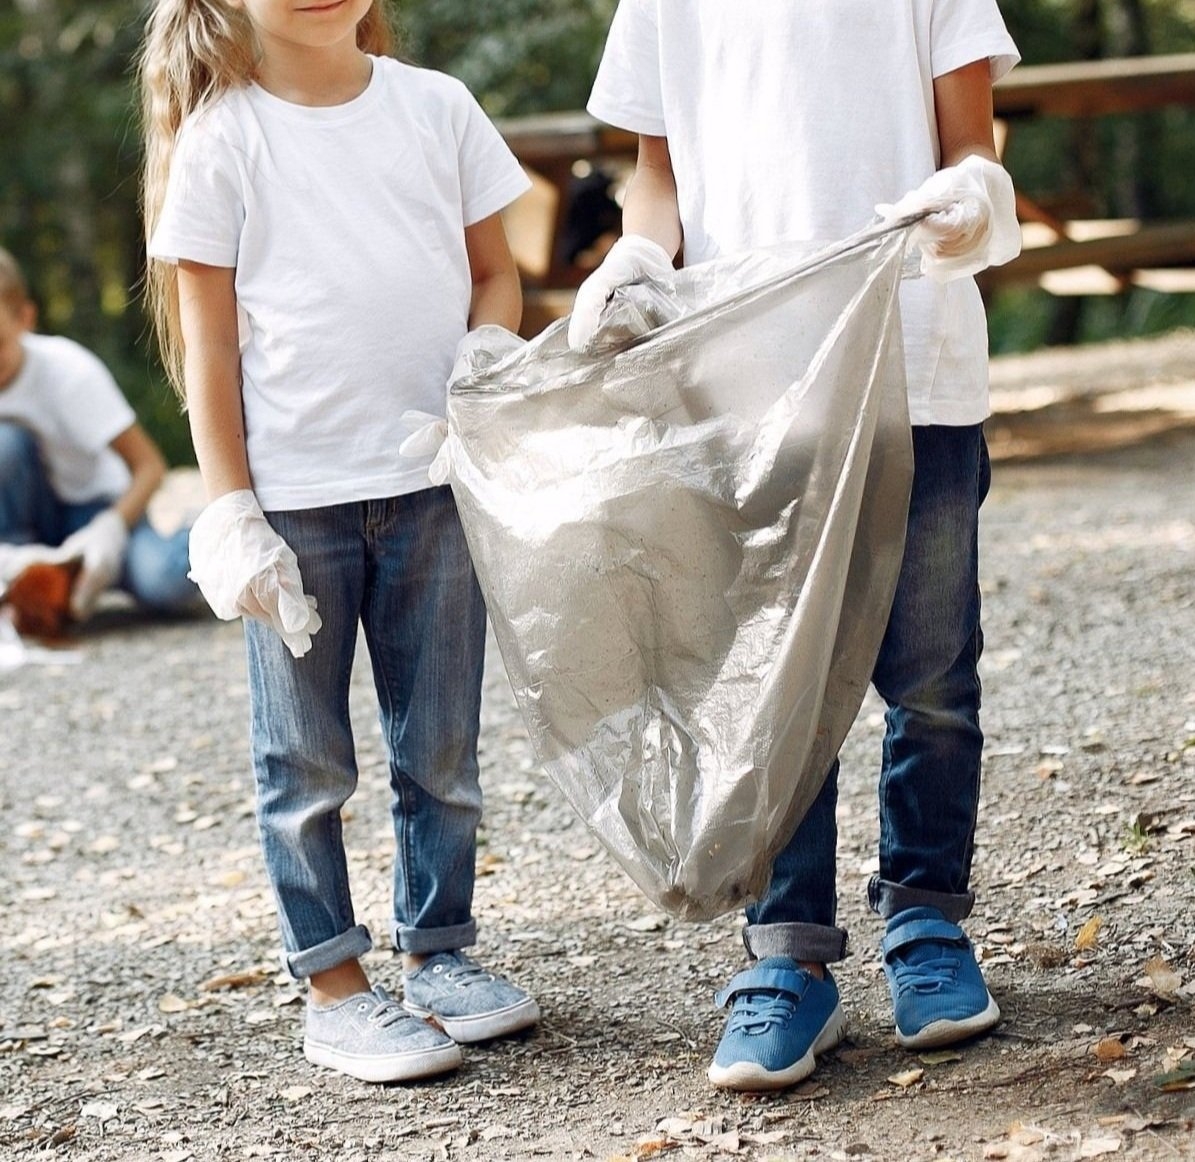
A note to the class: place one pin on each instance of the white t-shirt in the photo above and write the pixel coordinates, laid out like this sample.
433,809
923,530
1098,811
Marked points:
346,228
68,399
792,121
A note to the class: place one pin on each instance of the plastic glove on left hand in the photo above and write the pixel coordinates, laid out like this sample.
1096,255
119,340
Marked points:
632,258
481,348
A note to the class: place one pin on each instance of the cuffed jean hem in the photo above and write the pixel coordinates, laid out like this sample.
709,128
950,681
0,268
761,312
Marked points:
350,945
816,943
428,940
887,898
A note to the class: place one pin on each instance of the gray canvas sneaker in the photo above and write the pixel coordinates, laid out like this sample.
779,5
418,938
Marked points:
373,1038
469,1003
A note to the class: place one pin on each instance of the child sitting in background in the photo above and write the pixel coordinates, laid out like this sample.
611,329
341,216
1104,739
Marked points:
77,470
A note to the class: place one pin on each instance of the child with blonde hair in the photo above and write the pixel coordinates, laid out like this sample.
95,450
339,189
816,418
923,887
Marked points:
325,243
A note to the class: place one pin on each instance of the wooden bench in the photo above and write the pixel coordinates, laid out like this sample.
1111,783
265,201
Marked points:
1077,256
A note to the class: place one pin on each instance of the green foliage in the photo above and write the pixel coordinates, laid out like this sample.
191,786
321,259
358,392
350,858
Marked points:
518,56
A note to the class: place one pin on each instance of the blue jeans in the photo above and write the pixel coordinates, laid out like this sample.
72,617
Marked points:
400,569
927,674
155,566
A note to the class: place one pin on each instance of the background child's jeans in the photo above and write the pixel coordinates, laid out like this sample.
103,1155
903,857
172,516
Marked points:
927,673
155,567
400,568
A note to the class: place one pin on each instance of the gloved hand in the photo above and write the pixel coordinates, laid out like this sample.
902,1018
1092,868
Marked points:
632,258
481,348
100,545
972,222
244,568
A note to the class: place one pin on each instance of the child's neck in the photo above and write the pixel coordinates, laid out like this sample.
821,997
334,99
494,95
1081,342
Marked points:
317,78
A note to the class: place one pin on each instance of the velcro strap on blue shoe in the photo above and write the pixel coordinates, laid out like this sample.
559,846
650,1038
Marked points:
915,931
757,980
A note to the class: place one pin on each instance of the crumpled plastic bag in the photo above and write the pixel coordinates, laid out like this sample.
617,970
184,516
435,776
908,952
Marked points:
688,544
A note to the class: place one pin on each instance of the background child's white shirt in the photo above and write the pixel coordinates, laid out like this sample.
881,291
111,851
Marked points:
792,121
68,399
346,228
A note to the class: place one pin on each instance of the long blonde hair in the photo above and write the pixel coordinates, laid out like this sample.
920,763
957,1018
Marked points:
194,52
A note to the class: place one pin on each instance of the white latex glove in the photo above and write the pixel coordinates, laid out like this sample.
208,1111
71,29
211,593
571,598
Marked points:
972,222
428,439
481,348
101,544
245,569
631,259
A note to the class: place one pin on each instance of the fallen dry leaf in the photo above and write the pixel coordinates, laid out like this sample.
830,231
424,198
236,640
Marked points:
939,1057
1109,1049
653,1145
1095,1147
1120,1076
1177,1079
235,980
1163,980
1085,938
172,1004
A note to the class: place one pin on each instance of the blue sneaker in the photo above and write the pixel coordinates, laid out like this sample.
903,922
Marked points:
938,992
781,1017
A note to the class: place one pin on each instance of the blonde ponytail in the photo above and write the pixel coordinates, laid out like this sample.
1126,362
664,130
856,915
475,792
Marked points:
194,52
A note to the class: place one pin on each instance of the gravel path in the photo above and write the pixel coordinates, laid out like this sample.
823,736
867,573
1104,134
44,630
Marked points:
142,1015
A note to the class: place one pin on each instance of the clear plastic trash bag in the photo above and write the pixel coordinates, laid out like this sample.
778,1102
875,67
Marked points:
688,544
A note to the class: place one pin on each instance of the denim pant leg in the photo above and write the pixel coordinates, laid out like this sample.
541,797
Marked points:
795,916
302,745
424,622
155,570
927,673
30,513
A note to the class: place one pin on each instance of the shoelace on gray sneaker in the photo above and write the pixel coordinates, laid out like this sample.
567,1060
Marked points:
466,973
387,1012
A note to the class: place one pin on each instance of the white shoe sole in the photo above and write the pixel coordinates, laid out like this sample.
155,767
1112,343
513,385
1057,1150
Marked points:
750,1077
389,1067
485,1026
939,1033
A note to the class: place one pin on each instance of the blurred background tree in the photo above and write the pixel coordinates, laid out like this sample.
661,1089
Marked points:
68,182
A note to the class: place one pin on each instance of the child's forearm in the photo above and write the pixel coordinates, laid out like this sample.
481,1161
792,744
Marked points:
497,298
147,469
218,433
650,207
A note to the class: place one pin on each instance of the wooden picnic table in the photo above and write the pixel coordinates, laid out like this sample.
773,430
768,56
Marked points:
1077,256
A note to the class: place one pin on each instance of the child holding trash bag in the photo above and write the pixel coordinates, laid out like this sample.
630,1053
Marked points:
77,472
771,122
325,236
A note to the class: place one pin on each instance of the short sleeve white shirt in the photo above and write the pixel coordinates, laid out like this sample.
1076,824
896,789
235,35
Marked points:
792,121
346,228
68,399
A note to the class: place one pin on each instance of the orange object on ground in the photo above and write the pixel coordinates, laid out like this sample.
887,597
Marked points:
40,598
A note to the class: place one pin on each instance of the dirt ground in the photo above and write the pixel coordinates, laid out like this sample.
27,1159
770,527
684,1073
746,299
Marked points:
143,1016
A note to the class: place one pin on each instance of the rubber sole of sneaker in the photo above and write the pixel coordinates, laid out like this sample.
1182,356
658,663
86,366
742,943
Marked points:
939,1033
412,1066
484,1026
751,1077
